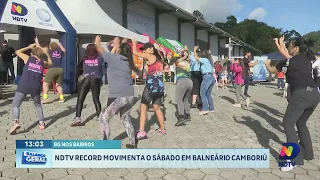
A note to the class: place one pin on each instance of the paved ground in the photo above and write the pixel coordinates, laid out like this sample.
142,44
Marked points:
257,126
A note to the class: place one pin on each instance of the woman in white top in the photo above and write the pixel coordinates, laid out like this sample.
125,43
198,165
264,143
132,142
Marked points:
316,65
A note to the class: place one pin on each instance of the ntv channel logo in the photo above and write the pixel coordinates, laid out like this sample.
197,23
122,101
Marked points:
33,158
288,152
17,11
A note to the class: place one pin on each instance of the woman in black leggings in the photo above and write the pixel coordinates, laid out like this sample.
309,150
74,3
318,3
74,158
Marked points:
304,95
92,75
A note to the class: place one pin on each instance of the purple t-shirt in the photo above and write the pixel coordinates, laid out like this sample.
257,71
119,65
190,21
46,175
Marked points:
30,82
93,66
56,57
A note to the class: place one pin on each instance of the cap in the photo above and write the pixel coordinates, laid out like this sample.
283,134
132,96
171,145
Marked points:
318,53
4,42
148,45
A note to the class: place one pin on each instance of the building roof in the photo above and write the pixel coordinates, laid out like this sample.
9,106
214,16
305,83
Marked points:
166,7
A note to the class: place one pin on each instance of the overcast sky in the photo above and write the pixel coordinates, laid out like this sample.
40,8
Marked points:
213,10
286,14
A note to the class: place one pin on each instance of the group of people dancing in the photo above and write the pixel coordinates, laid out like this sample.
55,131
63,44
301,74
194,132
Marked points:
194,76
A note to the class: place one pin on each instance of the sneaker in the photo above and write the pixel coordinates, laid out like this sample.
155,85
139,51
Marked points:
161,131
247,95
42,125
15,127
61,100
248,102
130,146
237,105
187,117
76,122
44,101
201,113
181,121
212,111
286,169
193,106
141,135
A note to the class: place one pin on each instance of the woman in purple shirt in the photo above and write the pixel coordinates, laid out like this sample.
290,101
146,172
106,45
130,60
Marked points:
55,73
30,82
92,79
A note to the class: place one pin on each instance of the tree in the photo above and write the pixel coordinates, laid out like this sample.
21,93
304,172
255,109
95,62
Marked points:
315,36
291,34
257,34
198,14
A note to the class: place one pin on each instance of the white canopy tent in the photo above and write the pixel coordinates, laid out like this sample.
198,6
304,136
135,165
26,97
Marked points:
87,17
31,13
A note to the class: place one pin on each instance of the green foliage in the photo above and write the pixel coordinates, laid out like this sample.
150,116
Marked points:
257,34
315,36
291,35
198,14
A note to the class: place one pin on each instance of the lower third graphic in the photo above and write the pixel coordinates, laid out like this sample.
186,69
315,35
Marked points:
33,158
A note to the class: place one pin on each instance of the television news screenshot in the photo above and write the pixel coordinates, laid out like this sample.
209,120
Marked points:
158,90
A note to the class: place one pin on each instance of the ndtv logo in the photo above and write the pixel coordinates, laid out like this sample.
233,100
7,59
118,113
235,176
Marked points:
17,11
288,152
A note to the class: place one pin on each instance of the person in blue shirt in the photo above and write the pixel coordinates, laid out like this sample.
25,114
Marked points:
196,78
207,80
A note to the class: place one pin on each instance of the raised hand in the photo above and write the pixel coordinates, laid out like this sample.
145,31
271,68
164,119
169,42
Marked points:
281,39
36,40
97,39
116,41
134,40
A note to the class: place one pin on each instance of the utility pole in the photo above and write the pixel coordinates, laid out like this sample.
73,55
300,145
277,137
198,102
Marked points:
230,49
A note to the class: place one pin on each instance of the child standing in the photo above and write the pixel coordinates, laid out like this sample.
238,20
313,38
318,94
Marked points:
224,77
238,68
280,77
166,71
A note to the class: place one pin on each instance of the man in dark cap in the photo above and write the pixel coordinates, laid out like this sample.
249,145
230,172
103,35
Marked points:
7,55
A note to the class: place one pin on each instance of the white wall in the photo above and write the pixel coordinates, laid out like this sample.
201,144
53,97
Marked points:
113,8
141,18
187,35
203,35
168,26
214,45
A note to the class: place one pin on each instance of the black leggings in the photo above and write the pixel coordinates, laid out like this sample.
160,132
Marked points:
87,84
302,104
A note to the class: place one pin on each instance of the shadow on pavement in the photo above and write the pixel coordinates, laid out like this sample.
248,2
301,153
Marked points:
176,114
53,118
6,92
263,135
232,101
66,98
275,123
3,113
269,109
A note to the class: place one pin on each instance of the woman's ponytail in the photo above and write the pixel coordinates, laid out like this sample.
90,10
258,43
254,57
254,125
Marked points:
304,47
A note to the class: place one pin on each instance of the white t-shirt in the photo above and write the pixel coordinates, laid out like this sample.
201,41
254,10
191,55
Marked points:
173,68
316,65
